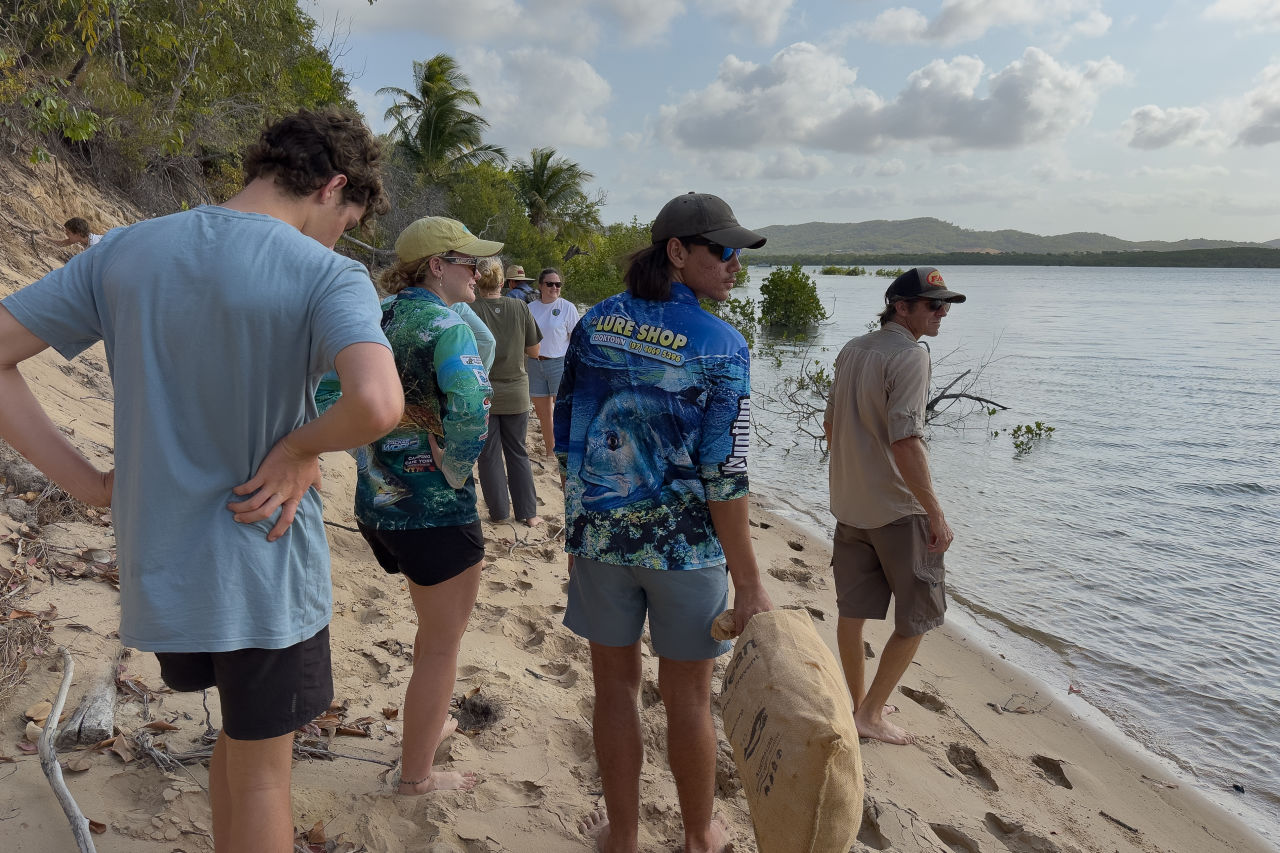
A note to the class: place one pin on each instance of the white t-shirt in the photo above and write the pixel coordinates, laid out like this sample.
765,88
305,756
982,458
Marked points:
555,320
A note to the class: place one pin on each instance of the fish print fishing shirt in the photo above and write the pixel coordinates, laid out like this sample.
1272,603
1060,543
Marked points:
400,484
652,421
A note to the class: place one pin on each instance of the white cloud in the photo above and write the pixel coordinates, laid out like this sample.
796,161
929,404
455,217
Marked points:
535,96
644,21
1195,172
784,164
372,107
808,98
1260,124
760,19
890,168
960,21
1254,14
1151,127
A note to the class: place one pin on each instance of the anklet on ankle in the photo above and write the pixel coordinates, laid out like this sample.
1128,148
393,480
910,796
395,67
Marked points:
414,781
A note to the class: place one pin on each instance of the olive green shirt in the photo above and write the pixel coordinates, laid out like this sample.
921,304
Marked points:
514,330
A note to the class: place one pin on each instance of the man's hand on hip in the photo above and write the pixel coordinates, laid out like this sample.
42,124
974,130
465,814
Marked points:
280,482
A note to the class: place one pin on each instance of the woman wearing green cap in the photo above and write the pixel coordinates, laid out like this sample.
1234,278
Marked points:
415,499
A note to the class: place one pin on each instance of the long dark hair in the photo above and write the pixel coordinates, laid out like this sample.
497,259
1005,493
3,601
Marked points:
648,273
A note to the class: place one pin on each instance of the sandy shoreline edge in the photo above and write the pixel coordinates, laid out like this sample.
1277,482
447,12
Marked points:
978,779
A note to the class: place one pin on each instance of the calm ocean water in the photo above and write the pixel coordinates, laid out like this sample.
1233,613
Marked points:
1136,553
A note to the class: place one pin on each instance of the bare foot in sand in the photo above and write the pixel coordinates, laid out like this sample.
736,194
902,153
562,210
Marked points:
879,729
439,780
450,726
889,709
718,840
595,826
532,521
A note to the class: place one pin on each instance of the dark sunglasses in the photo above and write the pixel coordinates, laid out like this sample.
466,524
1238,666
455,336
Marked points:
725,253
553,283
935,304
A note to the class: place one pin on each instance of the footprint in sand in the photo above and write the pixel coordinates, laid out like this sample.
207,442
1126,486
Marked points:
924,699
1018,839
955,840
798,576
795,544
964,759
1052,768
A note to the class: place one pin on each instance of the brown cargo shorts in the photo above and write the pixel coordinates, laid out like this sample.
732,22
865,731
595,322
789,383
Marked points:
870,566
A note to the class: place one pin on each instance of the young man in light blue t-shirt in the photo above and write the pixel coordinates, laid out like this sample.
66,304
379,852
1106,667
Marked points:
218,323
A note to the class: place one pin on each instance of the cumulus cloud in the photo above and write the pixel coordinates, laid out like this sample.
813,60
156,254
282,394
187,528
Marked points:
806,97
960,21
1261,113
534,96
1151,127
762,20
889,168
644,20
1253,14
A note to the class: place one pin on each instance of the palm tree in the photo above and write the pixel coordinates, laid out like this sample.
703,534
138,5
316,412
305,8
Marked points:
434,127
552,189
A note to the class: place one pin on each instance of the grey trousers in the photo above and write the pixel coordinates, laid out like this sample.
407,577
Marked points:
506,439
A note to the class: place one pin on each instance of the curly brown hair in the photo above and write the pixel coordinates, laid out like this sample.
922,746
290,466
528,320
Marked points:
304,150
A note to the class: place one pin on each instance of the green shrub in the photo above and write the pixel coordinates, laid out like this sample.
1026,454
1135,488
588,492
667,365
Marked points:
791,300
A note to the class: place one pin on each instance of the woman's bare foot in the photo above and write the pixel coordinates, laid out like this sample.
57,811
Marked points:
439,780
532,521
450,726
595,826
881,730
718,840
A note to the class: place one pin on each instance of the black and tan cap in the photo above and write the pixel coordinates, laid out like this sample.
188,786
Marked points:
921,283
703,215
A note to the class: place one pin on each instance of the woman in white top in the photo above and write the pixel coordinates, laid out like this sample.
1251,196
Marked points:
556,318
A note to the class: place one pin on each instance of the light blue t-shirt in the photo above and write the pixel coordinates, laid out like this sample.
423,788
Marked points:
486,343
217,326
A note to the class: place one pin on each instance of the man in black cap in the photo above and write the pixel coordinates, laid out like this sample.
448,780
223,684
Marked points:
890,531
652,422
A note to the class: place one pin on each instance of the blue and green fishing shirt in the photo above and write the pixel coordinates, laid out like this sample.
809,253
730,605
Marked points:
401,485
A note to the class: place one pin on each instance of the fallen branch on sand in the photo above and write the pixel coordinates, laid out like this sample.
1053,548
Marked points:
53,770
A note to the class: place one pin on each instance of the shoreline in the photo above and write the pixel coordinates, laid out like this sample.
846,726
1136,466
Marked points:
977,780
1001,647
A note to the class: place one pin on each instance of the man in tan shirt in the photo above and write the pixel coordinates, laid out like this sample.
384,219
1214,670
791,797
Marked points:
890,531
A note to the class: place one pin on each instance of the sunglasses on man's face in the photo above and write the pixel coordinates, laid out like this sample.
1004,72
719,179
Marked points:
724,253
936,304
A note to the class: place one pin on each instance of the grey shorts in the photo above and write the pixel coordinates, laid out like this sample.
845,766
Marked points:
870,566
544,375
608,603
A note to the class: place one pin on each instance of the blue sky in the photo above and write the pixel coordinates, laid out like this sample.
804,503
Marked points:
1146,120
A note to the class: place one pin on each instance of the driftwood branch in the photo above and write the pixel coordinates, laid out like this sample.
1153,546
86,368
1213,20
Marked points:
94,719
53,770
973,397
386,253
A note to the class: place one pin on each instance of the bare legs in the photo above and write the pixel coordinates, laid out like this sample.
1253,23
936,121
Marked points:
443,611
691,748
249,790
542,407
868,705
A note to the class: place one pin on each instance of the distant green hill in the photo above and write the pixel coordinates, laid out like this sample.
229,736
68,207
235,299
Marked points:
1254,255
929,235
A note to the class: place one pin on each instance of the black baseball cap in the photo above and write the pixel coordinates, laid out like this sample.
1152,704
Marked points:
703,215
921,283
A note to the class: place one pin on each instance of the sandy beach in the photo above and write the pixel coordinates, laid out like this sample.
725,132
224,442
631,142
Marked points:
1001,763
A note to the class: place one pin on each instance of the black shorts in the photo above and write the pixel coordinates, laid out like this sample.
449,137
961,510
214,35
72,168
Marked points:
264,693
427,555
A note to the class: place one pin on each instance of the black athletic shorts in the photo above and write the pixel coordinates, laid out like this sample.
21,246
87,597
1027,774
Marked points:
427,555
264,693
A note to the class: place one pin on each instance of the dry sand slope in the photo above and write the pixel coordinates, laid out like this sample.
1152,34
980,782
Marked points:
980,779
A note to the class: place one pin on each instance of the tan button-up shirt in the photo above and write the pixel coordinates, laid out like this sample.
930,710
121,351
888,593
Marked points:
878,397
